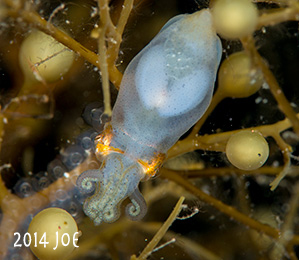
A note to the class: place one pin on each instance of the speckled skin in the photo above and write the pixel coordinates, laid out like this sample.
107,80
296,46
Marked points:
165,89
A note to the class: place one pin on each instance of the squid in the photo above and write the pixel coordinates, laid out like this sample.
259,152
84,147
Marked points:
165,90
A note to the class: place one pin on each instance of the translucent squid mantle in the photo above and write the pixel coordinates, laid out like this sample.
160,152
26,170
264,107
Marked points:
166,89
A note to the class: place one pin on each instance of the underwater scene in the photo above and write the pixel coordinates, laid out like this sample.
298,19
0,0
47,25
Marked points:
149,129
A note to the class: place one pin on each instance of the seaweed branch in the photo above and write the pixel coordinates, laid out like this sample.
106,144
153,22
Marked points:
158,236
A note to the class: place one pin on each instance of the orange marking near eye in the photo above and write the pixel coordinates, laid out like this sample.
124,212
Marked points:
103,148
152,167
103,142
